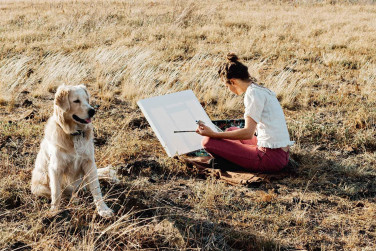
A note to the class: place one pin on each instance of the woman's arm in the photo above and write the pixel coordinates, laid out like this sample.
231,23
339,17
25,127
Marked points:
245,133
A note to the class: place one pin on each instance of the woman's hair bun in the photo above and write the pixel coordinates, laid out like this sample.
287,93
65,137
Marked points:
232,57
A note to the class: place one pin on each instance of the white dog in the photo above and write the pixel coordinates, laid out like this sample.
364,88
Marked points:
66,155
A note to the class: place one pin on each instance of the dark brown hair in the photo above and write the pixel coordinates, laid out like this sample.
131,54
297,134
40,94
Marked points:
233,69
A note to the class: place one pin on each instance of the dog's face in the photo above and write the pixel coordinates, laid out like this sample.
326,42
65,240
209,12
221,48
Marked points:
74,101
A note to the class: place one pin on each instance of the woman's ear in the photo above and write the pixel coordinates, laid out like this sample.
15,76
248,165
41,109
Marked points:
232,81
61,98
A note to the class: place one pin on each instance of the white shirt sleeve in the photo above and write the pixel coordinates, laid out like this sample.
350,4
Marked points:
254,102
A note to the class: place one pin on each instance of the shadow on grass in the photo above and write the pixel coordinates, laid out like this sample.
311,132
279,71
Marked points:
221,236
329,177
183,230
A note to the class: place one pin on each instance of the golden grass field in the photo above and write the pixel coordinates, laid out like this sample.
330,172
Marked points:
318,56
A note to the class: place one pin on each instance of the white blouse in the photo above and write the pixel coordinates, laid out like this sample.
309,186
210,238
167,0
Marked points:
261,104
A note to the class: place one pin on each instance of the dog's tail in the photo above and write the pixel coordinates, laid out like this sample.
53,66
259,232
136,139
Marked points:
108,173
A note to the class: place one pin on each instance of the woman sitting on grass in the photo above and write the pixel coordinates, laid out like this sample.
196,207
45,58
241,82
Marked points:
269,151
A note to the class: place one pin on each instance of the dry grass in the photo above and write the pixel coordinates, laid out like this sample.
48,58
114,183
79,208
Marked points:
318,56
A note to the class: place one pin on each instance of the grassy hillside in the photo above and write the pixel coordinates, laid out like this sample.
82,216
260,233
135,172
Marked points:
318,56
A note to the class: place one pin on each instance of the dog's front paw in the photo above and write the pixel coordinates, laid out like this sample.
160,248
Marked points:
54,209
105,212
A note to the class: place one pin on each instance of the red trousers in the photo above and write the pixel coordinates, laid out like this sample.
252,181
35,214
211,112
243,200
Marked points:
247,154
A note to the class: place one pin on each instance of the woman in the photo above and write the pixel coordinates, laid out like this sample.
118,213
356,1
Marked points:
269,151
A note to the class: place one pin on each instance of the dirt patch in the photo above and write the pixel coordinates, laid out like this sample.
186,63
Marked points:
19,245
139,166
27,103
138,123
11,199
62,216
100,141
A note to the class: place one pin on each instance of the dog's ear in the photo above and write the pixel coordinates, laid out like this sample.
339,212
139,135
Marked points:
61,98
85,89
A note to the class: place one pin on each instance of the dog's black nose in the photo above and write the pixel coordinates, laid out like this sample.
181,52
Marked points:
91,112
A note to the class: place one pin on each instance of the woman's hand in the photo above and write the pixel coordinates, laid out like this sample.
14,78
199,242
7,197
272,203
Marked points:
204,130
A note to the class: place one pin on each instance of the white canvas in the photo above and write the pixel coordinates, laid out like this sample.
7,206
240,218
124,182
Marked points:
176,112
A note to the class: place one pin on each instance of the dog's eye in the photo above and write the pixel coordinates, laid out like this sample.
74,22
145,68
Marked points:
77,101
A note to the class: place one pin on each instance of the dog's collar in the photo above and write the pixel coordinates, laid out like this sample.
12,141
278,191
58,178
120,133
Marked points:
78,133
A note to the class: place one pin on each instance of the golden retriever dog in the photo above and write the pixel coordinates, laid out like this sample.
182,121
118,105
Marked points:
66,155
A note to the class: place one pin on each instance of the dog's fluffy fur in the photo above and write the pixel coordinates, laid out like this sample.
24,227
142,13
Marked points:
66,156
